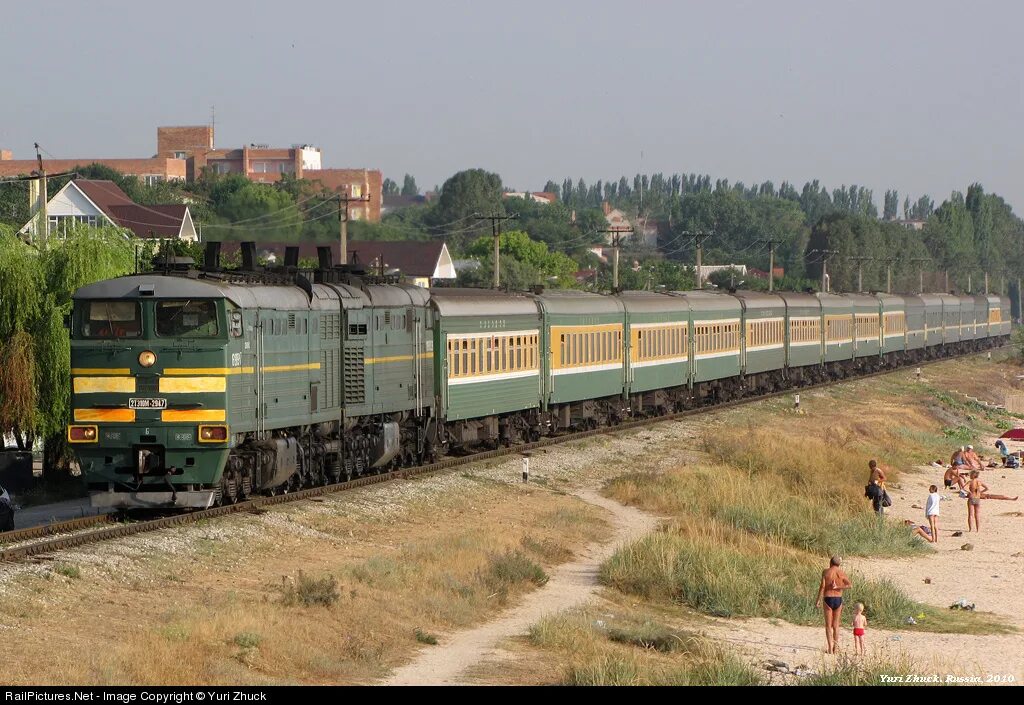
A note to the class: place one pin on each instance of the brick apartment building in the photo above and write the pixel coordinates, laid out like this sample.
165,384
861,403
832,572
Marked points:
194,143
183,152
147,170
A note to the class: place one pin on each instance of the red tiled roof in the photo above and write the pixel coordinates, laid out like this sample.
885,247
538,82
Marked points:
104,194
151,221
412,258
144,221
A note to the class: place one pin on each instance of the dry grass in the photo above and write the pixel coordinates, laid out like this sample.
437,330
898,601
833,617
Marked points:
315,596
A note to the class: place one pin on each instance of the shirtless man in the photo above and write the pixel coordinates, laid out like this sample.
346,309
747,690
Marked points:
830,591
972,459
877,477
952,477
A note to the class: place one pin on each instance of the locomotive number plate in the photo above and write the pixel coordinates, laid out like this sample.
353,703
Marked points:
136,403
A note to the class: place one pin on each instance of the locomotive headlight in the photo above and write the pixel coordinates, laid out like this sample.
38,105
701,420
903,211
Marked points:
213,434
82,434
147,358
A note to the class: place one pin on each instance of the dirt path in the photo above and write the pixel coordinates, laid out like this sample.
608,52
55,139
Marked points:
570,584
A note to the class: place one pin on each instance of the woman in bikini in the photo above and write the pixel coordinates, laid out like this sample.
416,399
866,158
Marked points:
830,592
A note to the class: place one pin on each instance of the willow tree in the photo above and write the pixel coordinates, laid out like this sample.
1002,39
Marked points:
35,297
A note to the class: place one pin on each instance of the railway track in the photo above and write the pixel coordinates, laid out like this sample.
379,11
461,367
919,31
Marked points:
61,541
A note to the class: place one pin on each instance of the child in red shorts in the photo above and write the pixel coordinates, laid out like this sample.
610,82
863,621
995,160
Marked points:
860,625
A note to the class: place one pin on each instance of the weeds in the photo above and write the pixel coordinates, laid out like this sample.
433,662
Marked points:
510,568
68,570
425,638
309,591
247,640
851,672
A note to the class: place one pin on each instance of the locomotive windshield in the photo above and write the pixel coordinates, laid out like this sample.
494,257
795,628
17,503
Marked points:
193,318
112,319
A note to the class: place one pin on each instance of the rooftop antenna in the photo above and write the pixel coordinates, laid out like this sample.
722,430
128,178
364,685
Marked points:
213,124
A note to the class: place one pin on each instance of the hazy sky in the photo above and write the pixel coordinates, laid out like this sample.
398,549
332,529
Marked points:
921,96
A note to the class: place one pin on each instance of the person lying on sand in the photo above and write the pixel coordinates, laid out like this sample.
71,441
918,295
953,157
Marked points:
920,530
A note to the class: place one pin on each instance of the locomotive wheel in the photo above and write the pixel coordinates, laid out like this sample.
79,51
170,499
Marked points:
230,490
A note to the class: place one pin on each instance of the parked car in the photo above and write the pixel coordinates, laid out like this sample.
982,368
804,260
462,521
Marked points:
6,511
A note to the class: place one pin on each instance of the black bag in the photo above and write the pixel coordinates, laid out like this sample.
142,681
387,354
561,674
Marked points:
886,502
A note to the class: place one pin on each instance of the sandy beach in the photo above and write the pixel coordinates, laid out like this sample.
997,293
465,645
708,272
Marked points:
990,575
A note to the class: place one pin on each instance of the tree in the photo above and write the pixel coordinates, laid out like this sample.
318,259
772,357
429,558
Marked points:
465,196
35,296
892,204
518,246
409,187
389,188
254,211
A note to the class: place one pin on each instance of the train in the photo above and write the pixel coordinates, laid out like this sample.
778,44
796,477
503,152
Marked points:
194,386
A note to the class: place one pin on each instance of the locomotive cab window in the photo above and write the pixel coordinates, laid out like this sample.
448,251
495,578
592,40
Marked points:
186,319
111,319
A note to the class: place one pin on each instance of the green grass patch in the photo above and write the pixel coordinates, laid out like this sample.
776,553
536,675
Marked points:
68,570
721,572
635,649
821,523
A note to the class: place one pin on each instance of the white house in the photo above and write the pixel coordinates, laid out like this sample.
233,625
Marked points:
99,202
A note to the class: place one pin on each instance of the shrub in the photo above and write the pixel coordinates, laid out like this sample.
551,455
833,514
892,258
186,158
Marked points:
510,568
309,591
425,638
247,640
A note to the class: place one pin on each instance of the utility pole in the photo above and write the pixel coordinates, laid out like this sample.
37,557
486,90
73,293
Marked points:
969,287
860,270
920,272
44,220
700,237
1020,315
344,199
616,232
496,233
888,273
825,255
986,282
771,262
946,275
